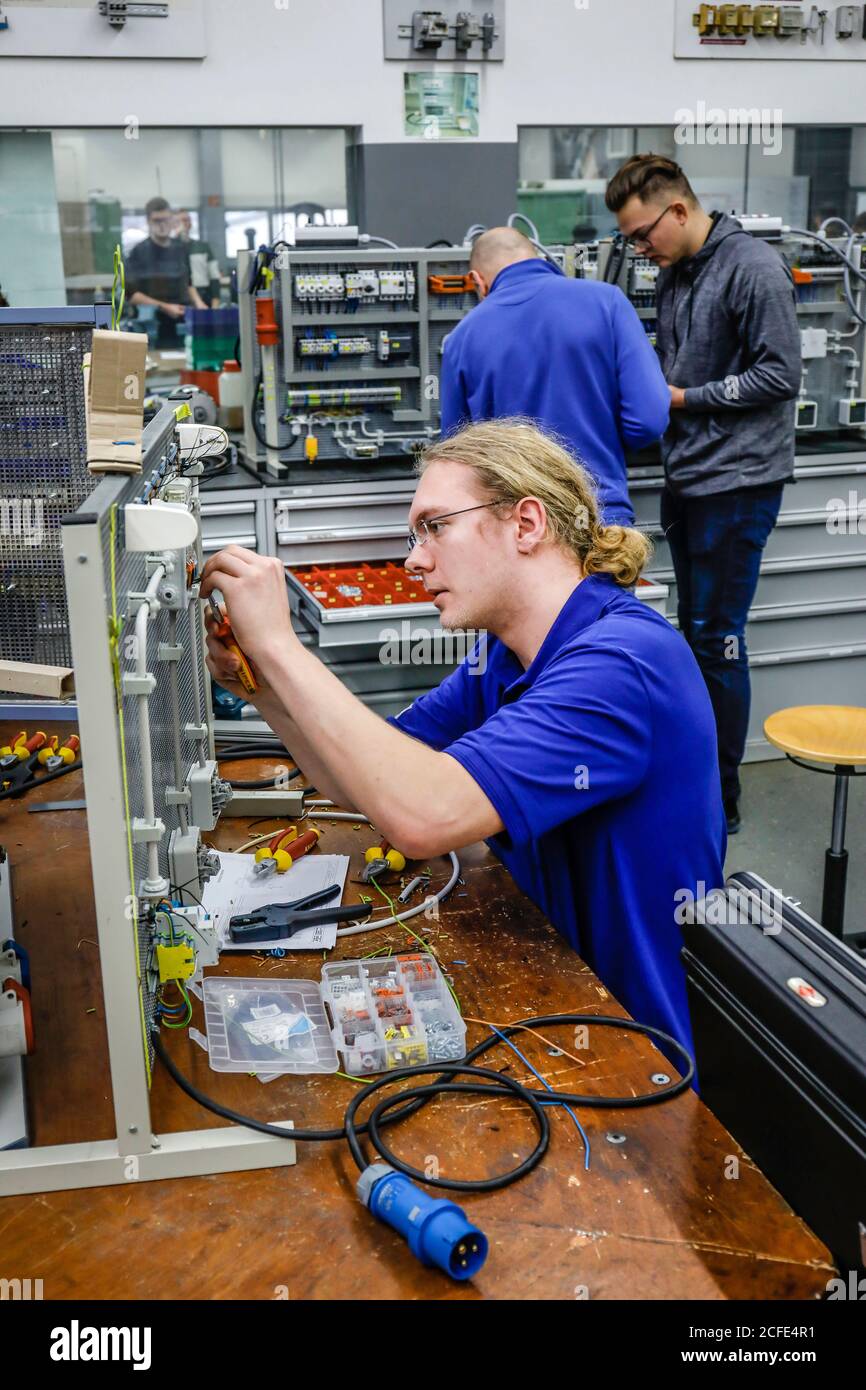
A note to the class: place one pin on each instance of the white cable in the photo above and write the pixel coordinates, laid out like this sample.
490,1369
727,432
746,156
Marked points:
367,237
844,256
385,921
534,233
828,222
414,911
154,884
472,232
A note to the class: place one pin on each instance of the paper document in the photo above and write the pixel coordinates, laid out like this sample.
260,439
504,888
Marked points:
236,891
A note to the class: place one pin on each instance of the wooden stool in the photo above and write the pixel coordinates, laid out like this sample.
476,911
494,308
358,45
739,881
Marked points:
835,735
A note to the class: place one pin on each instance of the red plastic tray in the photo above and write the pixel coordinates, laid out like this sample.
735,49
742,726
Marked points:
356,586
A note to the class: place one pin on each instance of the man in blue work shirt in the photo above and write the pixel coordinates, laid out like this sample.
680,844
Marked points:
571,355
579,740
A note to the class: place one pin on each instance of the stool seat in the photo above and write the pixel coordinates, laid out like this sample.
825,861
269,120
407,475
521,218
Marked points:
820,733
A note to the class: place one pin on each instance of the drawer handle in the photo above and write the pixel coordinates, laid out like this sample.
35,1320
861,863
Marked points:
212,544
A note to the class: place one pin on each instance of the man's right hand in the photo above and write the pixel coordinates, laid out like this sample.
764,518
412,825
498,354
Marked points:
224,666
174,311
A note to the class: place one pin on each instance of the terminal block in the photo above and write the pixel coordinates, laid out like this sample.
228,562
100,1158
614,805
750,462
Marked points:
334,347
852,413
320,287
362,284
429,29
208,794
190,863
469,30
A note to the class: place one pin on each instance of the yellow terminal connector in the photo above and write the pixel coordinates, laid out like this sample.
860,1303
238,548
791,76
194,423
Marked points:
175,962
311,448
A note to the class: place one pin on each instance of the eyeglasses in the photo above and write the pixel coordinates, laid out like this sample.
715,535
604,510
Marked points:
643,238
422,533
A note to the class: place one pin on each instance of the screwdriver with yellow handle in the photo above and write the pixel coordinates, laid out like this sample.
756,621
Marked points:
223,630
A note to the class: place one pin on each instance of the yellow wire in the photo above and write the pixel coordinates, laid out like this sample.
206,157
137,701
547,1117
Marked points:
119,279
114,630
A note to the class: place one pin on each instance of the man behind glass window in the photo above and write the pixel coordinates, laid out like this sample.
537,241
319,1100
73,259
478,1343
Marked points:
157,273
204,271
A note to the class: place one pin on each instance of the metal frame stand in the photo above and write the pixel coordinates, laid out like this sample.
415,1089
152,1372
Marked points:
137,1153
836,858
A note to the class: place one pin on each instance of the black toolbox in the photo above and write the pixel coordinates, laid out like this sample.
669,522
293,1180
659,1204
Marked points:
778,1009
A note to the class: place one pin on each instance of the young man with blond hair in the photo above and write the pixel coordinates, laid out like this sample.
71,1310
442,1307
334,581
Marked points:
581,748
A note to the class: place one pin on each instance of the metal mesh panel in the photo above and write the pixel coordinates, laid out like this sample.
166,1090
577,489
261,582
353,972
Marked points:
43,476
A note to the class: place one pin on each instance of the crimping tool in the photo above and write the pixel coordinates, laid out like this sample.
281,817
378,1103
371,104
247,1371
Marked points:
277,921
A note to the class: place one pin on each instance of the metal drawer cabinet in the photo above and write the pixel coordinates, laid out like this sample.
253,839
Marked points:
798,537
804,582
836,677
805,628
233,522
327,529
815,488
374,511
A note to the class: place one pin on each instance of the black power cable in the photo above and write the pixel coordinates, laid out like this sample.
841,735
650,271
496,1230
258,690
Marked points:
494,1084
26,787
244,754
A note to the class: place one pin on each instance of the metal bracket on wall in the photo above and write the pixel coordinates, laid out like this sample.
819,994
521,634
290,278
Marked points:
448,32
117,12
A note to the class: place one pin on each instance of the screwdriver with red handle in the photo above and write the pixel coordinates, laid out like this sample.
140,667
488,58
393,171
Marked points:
223,630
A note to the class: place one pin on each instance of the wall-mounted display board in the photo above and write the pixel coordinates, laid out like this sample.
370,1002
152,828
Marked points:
784,32
87,29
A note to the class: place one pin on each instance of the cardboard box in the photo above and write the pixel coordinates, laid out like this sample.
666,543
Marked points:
114,392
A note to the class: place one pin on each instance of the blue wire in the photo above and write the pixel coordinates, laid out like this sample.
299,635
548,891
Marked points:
548,1087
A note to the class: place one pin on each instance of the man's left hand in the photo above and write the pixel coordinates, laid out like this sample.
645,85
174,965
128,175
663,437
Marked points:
678,397
256,600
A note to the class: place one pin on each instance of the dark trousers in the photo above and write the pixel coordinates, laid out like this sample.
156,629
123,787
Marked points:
716,543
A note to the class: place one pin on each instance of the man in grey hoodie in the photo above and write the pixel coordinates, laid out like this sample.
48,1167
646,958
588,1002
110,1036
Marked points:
729,347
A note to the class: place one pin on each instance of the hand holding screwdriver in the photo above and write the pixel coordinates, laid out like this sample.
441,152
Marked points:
223,630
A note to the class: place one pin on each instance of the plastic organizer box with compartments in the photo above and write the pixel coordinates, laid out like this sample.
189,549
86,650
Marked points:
367,1016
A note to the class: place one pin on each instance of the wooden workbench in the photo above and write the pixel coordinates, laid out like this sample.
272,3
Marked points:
655,1217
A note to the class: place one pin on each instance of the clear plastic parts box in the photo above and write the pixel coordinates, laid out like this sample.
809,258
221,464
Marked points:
366,1017
267,1025
390,1013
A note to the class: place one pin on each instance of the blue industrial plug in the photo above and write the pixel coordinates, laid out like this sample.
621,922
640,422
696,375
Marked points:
437,1231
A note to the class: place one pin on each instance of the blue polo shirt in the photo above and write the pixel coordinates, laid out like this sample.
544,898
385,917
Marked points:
571,355
601,760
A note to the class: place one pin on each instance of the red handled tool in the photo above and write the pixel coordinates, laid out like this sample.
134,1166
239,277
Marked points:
223,630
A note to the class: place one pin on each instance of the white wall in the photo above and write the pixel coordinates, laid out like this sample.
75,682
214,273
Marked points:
319,62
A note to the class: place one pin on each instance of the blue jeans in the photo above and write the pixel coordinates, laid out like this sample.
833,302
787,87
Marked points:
716,543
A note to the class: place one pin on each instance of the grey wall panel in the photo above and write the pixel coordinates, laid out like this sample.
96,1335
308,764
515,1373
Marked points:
417,191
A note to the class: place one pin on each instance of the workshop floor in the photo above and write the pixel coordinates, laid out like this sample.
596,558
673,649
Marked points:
787,815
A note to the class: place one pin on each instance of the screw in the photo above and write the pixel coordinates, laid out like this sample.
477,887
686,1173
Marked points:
615,1138
133,1129
659,1078
554,1052
82,559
